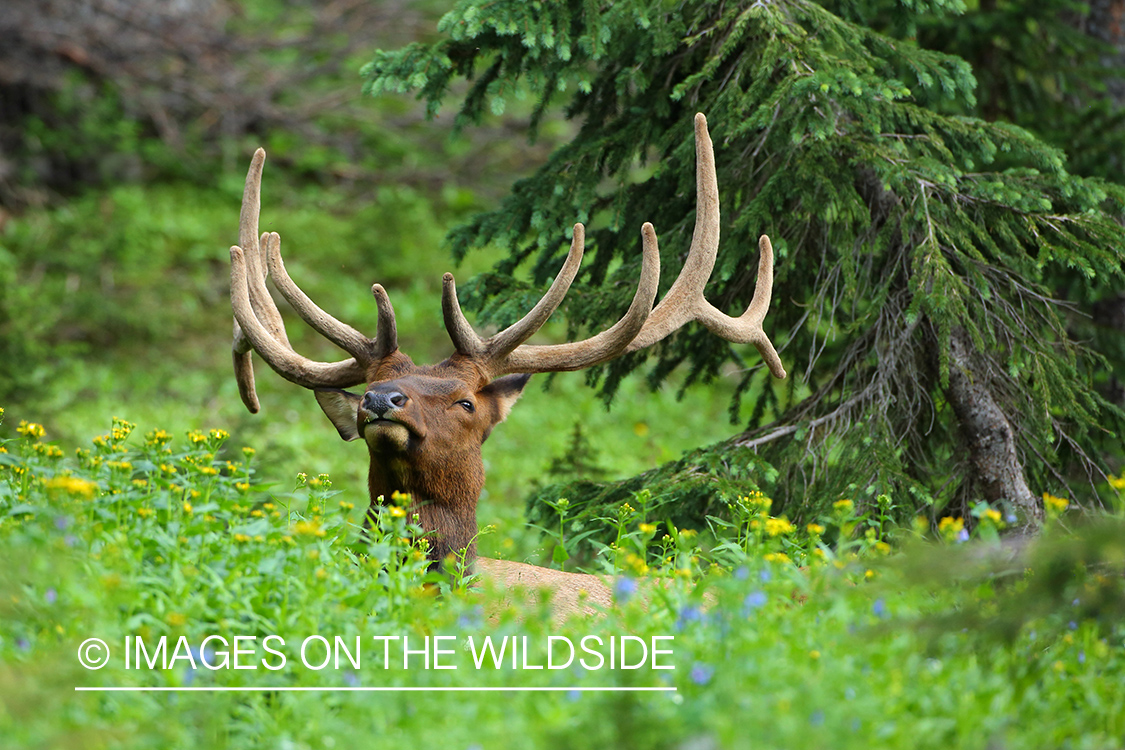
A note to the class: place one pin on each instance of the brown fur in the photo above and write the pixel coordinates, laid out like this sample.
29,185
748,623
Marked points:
430,447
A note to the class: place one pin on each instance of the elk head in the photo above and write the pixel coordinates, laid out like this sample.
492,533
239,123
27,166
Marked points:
424,425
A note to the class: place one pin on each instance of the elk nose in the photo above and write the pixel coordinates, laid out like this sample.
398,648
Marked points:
380,403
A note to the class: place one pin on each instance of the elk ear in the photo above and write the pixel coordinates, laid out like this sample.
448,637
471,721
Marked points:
505,392
342,407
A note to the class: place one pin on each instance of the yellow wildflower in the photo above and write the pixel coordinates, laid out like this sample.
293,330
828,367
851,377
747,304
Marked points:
187,507
992,515
157,438
175,619
949,526
815,529
30,429
1117,483
243,486
219,434
196,437
72,486
344,505
778,557
778,526
308,528
241,538
843,506
648,528
636,564
397,512
146,512
1054,505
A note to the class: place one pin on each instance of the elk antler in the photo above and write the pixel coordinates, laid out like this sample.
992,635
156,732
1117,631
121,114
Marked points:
506,352
684,302
258,324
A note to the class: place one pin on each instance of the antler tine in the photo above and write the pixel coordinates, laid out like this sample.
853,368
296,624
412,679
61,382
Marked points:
284,361
604,346
684,301
466,340
252,244
747,328
339,333
244,369
258,324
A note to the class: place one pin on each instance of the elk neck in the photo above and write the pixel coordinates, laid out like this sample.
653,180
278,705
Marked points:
444,497
443,477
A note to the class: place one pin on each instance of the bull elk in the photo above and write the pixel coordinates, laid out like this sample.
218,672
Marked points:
424,426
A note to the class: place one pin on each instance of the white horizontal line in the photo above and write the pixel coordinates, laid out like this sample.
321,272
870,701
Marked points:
345,689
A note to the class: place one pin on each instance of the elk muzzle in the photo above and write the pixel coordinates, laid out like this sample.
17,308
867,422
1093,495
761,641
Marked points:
383,405
384,416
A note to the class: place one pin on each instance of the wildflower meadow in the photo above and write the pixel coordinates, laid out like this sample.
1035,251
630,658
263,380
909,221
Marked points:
752,632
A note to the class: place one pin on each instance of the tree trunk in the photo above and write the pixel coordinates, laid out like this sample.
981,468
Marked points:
1106,21
996,470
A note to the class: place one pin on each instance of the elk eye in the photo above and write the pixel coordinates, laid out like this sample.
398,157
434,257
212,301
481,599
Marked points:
467,405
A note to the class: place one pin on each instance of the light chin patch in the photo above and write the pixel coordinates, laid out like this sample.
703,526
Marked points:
391,432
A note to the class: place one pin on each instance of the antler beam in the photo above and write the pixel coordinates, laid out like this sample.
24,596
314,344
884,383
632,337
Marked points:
258,325
641,326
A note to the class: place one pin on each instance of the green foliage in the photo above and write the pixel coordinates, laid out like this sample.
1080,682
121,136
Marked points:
683,493
894,223
1044,66
178,537
579,460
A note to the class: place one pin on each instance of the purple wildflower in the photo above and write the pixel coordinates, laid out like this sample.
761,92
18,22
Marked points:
471,619
754,600
701,673
687,615
624,588
879,607
51,596
963,535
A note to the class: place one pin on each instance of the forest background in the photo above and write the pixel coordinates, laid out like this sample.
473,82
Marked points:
125,130
943,183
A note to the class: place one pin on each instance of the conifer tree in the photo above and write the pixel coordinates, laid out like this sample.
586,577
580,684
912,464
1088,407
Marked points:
932,362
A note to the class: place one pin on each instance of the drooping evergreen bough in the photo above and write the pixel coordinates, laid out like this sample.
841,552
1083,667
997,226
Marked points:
914,301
